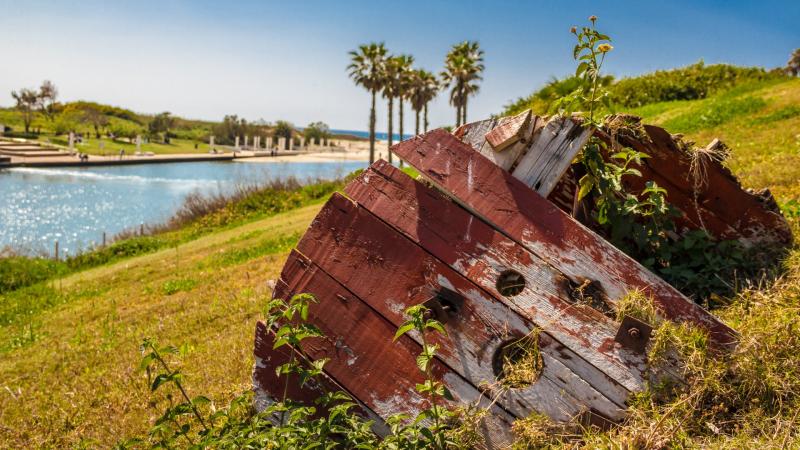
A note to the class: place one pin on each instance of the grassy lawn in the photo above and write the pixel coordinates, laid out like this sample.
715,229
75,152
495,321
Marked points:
92,146
74,382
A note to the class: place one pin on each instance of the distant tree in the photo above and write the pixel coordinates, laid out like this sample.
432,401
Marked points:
391,90
283,129
226,131
121,130
317,132
793,65
463,69
66,121
94,117
424,88
162,123
366,69
27,101
405,76
48,94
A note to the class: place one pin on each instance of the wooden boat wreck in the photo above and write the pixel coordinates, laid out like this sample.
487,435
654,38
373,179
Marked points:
488,242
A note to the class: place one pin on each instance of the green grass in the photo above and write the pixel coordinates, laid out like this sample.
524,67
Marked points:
759,122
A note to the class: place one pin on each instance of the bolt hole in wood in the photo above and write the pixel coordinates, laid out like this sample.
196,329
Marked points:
518,363
445,305
510,283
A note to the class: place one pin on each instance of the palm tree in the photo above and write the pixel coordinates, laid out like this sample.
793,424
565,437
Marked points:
394,80
366,69
463,68
388,87
424,87
404,80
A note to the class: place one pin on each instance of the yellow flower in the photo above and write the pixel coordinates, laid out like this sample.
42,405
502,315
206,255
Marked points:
603,48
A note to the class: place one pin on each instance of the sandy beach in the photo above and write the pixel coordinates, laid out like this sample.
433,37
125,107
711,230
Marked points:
342,151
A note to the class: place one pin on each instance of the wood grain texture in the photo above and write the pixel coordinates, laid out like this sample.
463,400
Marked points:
391,273
364,358
474,135
529,219
722,206
550,153
481,253
510,132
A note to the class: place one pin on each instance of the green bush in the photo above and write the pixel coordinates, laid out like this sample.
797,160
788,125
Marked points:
686,83
19,271
693,82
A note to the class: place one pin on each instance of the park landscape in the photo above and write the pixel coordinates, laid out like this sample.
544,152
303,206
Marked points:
147,342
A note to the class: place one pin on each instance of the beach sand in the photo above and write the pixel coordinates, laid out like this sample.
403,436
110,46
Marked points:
345,151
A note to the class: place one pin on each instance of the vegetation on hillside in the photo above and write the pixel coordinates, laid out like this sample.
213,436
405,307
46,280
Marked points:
103,129
697,81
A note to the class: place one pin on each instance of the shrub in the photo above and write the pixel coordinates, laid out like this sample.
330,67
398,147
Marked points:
19,271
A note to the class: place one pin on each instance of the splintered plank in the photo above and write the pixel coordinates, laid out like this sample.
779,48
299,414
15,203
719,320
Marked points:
482,254
509,133
474,134
529,219
550,153
542,149
364,358
391,273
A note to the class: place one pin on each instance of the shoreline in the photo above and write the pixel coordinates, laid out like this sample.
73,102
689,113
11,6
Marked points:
94,161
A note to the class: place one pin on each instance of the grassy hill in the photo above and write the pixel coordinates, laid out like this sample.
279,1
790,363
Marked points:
68,369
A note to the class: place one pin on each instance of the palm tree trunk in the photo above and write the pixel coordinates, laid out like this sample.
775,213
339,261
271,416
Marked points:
416,122
391,110
372,130
426,118
458,116
464,111
401,119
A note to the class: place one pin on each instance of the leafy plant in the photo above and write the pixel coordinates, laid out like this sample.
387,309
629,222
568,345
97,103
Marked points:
639,223
434,436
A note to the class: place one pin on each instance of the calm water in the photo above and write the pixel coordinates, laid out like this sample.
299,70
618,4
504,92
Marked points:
75,205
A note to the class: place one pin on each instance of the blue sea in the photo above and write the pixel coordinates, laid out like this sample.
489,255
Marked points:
378,135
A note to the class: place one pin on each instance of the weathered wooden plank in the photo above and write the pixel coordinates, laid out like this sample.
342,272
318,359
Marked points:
542,155
482,254
365,360
391,273
531,220
551,151
508,133
268,387
474,134
720,195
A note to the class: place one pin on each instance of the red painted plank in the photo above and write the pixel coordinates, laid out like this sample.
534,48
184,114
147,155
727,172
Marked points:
364,359
482,254
545,230
721,196
391,273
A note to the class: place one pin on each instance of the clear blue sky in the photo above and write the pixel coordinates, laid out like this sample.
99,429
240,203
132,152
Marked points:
286,60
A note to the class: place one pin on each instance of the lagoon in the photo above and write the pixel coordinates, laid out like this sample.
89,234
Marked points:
75,205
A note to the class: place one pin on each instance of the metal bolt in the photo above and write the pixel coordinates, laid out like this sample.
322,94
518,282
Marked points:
634,332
